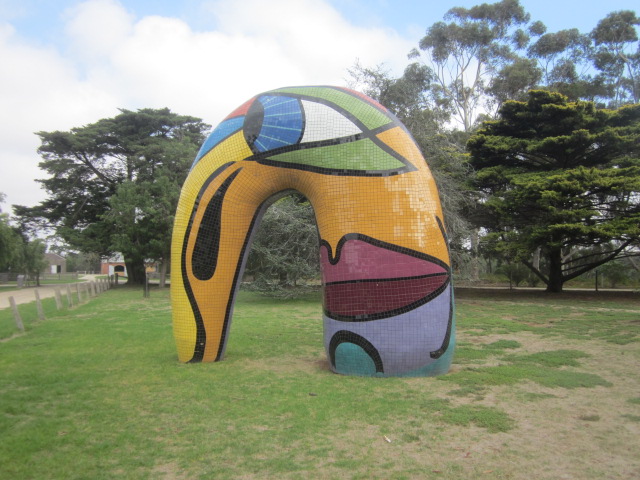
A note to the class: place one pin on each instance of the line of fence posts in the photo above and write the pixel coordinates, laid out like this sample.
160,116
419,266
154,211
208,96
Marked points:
84,292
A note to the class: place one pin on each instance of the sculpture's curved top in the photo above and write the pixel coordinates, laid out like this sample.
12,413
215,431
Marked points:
314,129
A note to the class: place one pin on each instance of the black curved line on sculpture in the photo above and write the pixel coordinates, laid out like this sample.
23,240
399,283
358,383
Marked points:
204,258
344,336
201,334
340,172
447,336
378,243
368,317
382,280
264,158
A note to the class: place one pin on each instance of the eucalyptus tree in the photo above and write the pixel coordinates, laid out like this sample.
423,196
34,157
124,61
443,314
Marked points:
466,54
617,56
564,60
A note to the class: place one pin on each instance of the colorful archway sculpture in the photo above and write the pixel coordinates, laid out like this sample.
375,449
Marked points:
386,275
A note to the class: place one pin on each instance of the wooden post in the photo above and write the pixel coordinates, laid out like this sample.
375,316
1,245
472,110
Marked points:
93,289
79,292
58,298
39,306
16,314
146,285
69,299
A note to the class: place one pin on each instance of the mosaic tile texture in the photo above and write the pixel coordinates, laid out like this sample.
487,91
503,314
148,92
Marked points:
386,276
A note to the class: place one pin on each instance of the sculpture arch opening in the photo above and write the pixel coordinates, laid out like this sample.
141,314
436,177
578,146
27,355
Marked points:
284,251
386,276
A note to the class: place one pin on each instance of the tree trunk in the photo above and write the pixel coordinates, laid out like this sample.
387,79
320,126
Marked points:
536,259
163,273
475,261
135,271
555,271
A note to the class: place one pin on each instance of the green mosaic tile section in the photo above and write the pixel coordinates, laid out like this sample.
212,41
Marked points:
359,155
370,116
353,360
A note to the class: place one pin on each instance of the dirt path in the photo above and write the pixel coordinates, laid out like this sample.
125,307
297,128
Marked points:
27,294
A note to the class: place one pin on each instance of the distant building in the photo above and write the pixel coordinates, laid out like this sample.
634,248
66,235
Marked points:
115,264
56,263
112,265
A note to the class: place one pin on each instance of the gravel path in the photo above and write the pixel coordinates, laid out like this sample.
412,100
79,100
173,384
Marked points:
27,294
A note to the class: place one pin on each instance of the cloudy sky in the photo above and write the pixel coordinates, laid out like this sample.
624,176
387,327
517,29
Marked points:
67,63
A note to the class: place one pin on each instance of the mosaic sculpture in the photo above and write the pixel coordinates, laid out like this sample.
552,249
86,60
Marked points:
386,276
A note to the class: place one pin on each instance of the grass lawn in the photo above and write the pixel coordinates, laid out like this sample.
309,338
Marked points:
543,387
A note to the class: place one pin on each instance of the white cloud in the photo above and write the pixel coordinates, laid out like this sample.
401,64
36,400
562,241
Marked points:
39,90
114,60
312,34
97,27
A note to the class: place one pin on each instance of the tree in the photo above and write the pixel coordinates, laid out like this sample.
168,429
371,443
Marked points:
17,253
142,215
10,241
31,260
285,248
464,55
559,175
564,60
514,80
83,262
617,56
95,170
